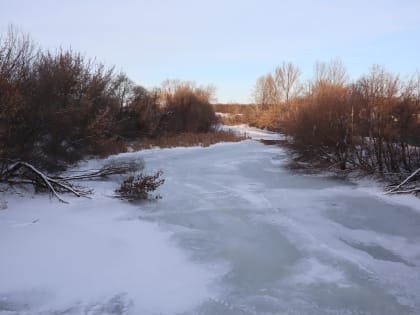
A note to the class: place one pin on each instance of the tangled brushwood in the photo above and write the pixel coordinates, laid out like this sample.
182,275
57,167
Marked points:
409,185
23,173
139,187
20,173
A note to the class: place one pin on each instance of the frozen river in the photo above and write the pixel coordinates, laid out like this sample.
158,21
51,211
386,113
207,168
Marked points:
245,236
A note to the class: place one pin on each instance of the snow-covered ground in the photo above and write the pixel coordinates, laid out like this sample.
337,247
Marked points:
235,233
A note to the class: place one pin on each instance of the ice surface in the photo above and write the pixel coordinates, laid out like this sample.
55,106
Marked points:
235,233
88,258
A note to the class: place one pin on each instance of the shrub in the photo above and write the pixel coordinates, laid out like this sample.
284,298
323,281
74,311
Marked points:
187,108
140,186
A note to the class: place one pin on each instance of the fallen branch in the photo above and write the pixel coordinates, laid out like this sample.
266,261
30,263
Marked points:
397,189
107,170
47,181
23,173
408,191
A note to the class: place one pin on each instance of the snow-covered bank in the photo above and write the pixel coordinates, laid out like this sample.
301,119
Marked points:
235,233
252,132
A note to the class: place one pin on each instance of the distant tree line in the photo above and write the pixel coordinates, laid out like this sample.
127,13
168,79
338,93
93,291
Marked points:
56,107
372,124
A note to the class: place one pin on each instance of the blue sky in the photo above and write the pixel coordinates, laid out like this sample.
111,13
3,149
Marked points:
225,43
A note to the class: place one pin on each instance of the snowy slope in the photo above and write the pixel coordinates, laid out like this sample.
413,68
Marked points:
235,233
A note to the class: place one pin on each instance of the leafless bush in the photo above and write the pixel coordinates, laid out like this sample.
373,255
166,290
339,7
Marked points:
187,108
139,187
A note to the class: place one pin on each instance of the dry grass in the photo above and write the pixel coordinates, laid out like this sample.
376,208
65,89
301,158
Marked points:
189,139
106,147
109,147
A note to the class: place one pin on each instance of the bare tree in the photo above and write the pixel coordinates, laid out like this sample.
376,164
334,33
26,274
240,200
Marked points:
330,73
17,52
265,92
170,87
123,88
286,78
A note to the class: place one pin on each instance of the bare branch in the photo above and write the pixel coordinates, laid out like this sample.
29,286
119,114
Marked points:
395,189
